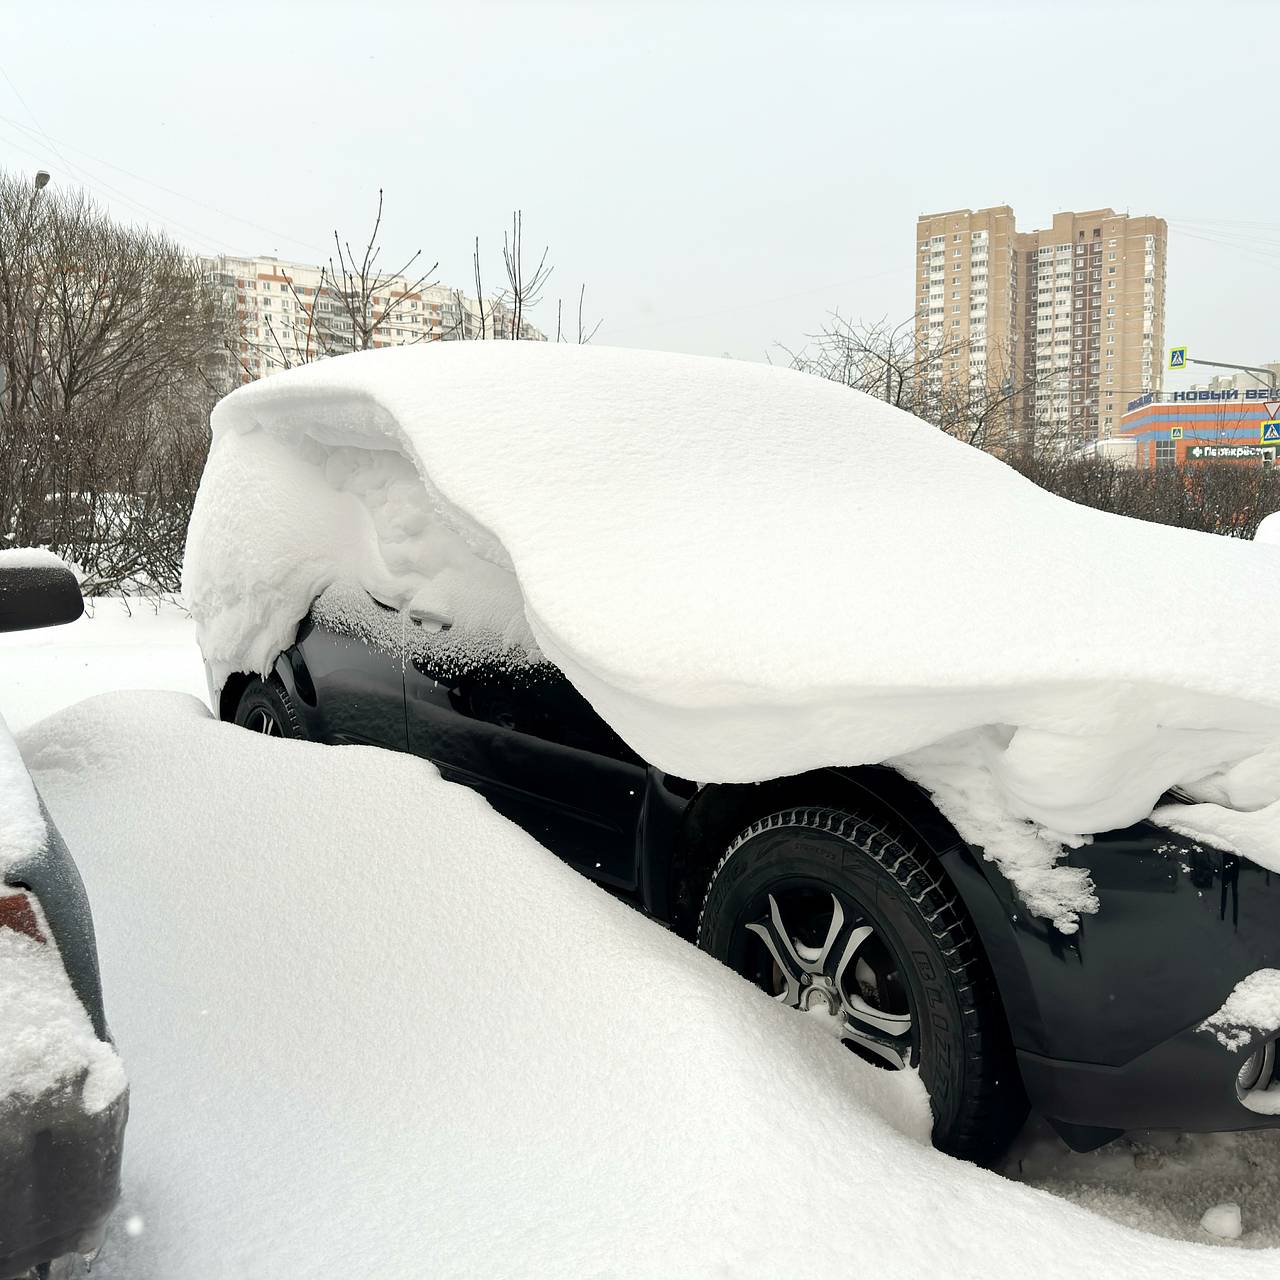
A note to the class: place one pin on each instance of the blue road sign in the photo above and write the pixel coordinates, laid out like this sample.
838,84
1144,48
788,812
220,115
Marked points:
1177,357
1271,433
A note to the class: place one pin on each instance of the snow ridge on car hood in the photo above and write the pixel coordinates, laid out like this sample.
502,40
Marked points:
751,572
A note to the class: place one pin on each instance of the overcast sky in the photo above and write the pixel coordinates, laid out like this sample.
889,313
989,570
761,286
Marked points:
720,175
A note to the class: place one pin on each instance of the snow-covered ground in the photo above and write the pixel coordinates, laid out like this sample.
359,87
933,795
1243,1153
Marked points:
371,1028
115,645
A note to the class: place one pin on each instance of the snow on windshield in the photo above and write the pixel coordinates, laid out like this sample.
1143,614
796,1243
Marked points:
750,573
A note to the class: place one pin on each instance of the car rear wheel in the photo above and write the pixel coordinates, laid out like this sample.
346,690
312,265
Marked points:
264,707
838,918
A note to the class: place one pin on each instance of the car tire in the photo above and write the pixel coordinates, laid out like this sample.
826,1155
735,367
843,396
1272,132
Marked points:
70,1266
265,707
832,913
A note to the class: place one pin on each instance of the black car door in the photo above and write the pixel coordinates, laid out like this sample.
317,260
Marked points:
352,649
516,730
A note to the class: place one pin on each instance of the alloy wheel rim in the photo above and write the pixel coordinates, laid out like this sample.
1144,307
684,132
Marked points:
828,959
261,720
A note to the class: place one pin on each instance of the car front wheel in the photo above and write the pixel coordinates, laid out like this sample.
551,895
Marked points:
832,915
264,707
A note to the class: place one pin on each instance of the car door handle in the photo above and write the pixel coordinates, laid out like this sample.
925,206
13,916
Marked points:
426,618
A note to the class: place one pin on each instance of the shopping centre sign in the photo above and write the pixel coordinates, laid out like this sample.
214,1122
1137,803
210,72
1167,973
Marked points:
1227,452
1254,394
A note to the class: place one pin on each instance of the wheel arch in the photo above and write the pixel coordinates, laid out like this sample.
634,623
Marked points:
289,668
717,812
231,692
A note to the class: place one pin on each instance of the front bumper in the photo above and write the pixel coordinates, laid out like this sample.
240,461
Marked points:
1188,1082
59,1175
1106,1021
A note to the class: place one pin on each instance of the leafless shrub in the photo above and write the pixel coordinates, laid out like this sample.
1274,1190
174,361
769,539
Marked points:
1214,497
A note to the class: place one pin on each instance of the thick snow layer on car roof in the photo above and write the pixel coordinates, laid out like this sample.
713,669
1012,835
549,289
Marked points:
751,572
374,1029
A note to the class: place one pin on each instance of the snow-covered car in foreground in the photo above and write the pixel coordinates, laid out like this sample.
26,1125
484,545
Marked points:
63,1098
959,793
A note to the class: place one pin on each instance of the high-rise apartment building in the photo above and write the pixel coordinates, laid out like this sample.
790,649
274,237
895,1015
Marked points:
288,313
1073,316
967,318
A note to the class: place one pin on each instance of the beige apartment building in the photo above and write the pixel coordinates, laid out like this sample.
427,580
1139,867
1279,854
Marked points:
289,313
1072,315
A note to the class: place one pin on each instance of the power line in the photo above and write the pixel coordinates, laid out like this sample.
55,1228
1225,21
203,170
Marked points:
94,180
222,213
91,181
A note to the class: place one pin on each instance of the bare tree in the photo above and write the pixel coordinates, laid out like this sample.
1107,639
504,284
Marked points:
523,289
358,284
355,300
984,403
475,262
111,348
584,334
94,311
348,310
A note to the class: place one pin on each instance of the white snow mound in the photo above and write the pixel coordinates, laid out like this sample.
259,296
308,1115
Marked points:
751,572
375,1029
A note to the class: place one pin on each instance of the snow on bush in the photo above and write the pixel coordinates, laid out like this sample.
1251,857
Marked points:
375,1029
749,573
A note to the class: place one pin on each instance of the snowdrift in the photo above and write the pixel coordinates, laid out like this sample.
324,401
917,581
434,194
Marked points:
375,1029
751,572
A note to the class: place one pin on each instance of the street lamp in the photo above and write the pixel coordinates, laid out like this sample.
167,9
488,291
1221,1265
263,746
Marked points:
41,181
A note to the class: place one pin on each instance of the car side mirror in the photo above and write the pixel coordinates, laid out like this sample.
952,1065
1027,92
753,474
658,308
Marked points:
41,593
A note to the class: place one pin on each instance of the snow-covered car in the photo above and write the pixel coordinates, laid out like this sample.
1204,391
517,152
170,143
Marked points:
909,743
63,1097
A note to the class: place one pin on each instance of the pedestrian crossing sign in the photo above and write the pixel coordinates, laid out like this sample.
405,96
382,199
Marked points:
1177,357
1270,433
1175,433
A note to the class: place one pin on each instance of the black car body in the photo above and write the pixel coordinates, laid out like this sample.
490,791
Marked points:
59,1162
1105,1023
